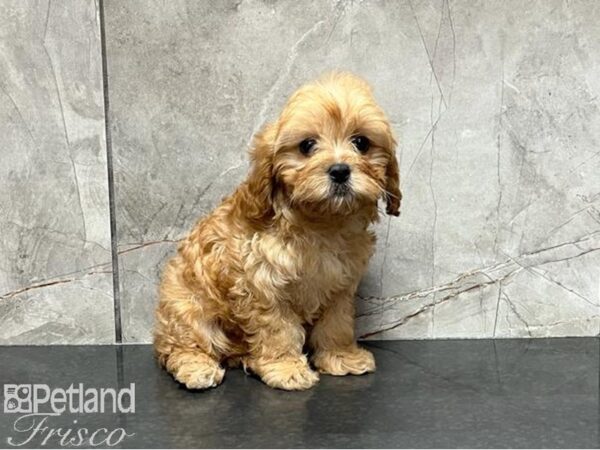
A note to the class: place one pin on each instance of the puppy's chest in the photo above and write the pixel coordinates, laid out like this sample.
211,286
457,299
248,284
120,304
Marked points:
321,271
324,269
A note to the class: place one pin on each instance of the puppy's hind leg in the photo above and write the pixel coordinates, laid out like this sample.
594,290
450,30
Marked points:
190,357
187,343
195,369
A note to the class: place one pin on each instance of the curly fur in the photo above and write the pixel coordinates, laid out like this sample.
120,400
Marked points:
273,270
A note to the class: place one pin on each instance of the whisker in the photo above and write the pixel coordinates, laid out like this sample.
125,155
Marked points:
385,191
390,194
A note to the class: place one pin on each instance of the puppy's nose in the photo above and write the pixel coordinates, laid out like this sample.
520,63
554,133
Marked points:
339,173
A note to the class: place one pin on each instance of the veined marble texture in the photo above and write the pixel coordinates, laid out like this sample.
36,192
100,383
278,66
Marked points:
55,249
496,108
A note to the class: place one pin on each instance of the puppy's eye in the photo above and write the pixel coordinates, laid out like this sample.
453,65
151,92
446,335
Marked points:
361,143
307,146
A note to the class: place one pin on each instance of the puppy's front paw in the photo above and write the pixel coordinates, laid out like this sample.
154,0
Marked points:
355,361
290,374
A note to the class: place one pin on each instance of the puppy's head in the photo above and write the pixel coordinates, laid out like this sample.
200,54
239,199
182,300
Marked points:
331,152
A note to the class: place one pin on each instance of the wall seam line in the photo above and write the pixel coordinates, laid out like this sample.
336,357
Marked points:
111,185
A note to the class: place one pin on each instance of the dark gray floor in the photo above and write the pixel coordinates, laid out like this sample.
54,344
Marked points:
509,393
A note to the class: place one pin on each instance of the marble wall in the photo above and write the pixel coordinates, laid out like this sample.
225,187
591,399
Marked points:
55,245
495,105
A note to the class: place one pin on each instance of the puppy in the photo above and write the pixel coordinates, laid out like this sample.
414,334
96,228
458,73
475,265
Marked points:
274,269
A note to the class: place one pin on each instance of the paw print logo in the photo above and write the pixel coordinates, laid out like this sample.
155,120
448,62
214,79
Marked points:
17,398
11,405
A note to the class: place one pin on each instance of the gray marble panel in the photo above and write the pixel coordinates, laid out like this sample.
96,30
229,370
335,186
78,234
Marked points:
55,259
496,108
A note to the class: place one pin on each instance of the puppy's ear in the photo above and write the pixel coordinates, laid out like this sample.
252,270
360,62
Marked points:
260,182
393,196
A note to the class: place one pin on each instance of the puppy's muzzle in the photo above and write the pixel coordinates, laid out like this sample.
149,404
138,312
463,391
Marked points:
339,173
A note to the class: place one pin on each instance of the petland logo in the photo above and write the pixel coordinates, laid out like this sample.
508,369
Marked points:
38,403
